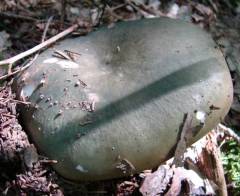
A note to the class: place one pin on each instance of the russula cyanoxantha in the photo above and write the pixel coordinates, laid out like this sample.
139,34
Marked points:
117,107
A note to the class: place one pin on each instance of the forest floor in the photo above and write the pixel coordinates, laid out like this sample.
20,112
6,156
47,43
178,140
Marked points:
22,25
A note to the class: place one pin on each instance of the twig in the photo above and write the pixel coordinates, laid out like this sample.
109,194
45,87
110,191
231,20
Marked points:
214,155
60,54
10,73
17,71
72,54
102,13
119,6
46,28
9,115
48,161
22,102
111,12
17,101
229,132
141,8
182,142
12,60
129,2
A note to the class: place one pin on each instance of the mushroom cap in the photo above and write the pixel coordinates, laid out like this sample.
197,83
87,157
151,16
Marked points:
117,107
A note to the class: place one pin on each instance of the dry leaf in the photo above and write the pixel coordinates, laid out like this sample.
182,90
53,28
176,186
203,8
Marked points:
157,182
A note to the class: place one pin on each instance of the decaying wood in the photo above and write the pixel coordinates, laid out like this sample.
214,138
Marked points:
182,143
210,163
169,178
229,132
207,173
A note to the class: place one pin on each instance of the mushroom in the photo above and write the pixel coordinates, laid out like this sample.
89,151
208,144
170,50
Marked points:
141,78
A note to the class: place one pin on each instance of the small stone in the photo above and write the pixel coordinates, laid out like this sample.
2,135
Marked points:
77,84
41,96
42,81
79,135
60,112
118,49
48,99
201,116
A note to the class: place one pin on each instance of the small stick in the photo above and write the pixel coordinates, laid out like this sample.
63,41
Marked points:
12,60
22,102
60,54
68,51
118,6
38,47
182,142
8,115
100,16
10,73
43,38
17,101
143,9
46,28
71,54
48,161
228,132
17,71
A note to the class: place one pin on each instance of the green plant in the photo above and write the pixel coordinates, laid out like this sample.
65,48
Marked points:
231,164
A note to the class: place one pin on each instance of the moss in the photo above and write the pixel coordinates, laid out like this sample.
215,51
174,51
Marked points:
231,164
